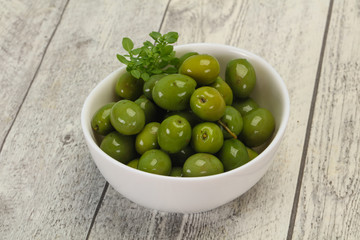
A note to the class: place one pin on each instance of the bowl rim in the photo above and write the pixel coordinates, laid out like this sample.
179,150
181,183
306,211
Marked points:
244,168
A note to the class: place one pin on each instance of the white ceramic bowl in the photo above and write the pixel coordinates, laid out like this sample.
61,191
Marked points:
189,195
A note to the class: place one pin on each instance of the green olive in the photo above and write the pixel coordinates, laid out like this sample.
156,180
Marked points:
173,92
207,138
224,89
174,134
187,114
119,147
244,106
186,56
150,109
129,87
252,154
149,84
241,77
127,117
202,164
259,125
100,122
133,163
176,172
203,68
179,158
155,161
207,103
233,121
147,138
233,154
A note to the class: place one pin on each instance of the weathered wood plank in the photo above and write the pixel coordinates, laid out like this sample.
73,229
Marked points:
329,200
25,30
287,35
49,187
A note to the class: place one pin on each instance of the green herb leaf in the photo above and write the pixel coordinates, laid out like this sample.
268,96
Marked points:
151,58
122,59
136,73
127,44
155,35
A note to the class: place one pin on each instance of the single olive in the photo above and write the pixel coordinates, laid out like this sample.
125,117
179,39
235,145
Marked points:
187,114
224,89
127,117
241,77
259,125
207,103
186,56
100,122
129,87
233,154
149,84
133,163
173,92
176,172
174,134
147,138
233,122
252,154
149,108
155,161
244,106
203,68
118,146
179,158
207,138
202,164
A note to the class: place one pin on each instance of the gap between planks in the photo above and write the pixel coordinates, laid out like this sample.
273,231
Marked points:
35,74
309,125
107,184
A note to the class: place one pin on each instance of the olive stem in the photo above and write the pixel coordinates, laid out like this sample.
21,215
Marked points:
227,129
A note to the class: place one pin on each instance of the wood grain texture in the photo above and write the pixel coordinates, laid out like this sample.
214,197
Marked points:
25,30
329,205
289,36
49,186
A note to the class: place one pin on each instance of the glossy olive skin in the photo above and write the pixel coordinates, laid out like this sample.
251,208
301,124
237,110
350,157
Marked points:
233,154
127,117
244,106
100,122
188,115
207,103
128,87
233,121
176,172
173,92
186,56
202,164
203,68
241,77
207,137
259,125
133,163
179,158
147,138
252,154
149,84
155,161
150,109
118,146
174,134
224,89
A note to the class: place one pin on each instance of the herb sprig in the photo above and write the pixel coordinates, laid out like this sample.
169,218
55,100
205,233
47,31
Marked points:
151,58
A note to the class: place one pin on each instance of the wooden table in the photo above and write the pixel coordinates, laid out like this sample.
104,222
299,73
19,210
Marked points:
54,52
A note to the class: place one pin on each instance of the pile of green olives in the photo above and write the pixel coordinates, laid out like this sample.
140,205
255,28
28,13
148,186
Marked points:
189,124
